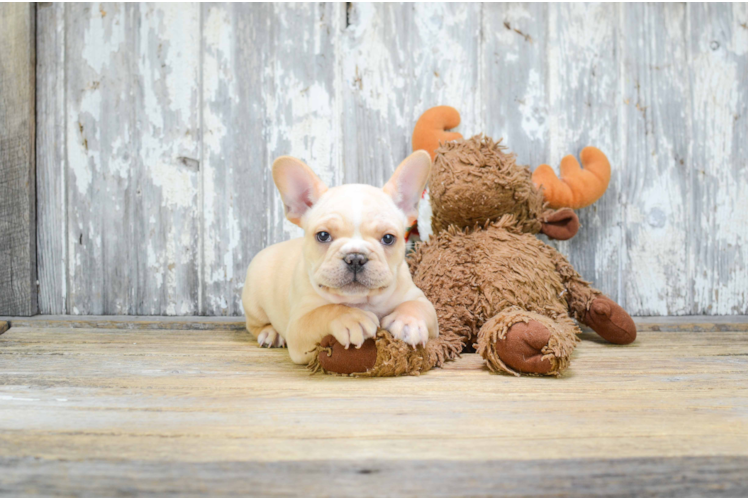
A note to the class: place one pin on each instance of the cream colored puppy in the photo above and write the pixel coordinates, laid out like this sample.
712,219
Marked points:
347,275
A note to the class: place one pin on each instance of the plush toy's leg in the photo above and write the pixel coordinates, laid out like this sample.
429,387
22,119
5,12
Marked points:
384,356
610,321
517,341
592,308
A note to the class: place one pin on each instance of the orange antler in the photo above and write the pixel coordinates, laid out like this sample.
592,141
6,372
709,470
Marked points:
576,188
431,128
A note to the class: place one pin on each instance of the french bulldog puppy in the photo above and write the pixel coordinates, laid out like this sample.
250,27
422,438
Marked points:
347,275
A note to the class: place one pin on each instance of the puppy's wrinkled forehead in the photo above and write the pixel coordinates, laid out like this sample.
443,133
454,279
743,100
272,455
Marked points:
356,203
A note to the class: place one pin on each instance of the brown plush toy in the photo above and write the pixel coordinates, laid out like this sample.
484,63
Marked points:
495,286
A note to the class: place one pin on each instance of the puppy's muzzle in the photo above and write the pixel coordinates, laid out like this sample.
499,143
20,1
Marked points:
355,262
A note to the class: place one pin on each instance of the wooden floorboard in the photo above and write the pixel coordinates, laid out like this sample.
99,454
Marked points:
160,412
662,476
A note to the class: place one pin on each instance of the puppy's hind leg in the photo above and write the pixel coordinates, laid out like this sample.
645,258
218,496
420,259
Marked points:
259,325
268,337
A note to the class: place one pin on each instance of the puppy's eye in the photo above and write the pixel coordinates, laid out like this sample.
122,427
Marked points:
387,239
324,237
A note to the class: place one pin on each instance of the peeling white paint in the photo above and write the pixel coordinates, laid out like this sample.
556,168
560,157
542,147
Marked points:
155,266
170,31
103,38
445,47
218,70
720,274
218,83
83,139
739,42
177,185
534,122
371,67
307,130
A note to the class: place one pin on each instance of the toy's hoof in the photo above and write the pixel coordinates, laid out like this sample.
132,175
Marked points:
335,358
522,347
610,321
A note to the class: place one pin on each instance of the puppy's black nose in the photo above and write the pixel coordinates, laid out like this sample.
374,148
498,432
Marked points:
355,261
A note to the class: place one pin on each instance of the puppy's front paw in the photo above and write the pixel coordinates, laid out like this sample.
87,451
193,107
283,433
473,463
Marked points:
268,337
409,327
354,326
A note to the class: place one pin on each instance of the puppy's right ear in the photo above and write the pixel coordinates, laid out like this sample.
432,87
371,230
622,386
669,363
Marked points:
299,187
408,182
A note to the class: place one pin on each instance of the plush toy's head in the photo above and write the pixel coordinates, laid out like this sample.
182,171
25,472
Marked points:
474,181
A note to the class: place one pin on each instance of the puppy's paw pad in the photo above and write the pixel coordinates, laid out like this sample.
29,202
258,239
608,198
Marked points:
355,326
408,328
268,337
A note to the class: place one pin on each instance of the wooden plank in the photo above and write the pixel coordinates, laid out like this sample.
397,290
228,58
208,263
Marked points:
165,205
655,171
18,292
133,150
515,79
268,90
209,413
584,96
718,68
103,158
51,230
234,175
4,326
645,477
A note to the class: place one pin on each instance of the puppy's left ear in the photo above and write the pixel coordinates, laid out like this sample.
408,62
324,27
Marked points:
407,183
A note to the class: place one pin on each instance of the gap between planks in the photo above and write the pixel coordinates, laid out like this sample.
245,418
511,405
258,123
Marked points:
643,324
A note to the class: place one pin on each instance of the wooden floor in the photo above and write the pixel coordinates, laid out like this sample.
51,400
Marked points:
140,407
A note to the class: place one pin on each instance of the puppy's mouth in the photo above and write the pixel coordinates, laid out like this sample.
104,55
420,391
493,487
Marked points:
355,288
356,285
340,278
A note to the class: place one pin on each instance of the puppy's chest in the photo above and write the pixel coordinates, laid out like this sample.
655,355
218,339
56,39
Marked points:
380,309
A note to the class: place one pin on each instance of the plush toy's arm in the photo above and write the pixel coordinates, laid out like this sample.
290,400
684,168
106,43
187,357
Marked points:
592,308
579,293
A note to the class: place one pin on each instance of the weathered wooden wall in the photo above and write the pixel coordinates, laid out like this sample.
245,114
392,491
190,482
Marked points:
17,183
157,125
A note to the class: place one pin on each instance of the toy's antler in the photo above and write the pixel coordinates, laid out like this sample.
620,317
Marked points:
431,128
576,188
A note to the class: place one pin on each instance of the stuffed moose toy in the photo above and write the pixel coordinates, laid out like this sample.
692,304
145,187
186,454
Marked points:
496,287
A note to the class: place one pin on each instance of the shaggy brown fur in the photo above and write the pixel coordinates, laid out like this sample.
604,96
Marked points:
486,272
498,273
476,180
